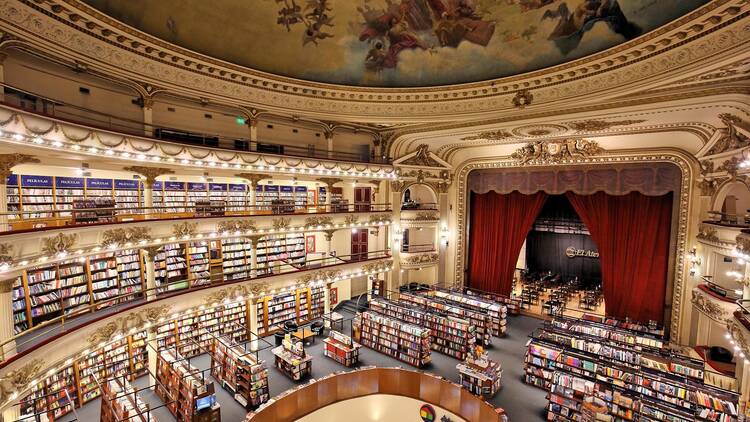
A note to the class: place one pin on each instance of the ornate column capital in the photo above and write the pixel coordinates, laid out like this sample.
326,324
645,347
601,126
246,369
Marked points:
329,234
397,185
8,161
151,250
149,173
376,183
328,128
253,178
330,181
6,285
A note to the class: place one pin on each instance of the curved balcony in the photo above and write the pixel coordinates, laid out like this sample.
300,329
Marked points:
74,335
43,106
297,403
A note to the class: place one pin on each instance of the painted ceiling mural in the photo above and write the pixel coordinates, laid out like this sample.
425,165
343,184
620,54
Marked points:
396,43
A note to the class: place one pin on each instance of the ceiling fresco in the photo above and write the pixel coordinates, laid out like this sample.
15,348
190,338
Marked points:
396,43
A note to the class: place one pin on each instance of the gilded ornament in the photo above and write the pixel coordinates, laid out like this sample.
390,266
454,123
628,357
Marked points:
232,292
743,243
123,325
329,234
6,253
550,152
232,226
397,185
149,173
58,244
8,161
329,181
522,99
281,223
253,178
422,157
420,259
707,167
599,125
123,236
708,187
377,266
324,275
185,229
380,219
731,166
708,306
18,380
351,219
426,216
733,139
318,221
737,332
492,135
707,233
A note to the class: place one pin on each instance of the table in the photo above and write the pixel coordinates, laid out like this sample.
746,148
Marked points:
334,321
304,334
292,365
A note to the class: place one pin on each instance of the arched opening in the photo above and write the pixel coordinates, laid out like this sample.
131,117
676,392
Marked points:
418,196
732,205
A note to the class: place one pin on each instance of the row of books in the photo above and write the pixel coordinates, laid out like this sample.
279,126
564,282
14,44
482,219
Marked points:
298,306
239,372
403,341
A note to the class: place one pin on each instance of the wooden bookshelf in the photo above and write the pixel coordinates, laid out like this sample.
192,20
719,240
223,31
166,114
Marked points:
498,313
292,360
300,306
406,342
480,375
180,385
241,373
450,335
120,403
341,348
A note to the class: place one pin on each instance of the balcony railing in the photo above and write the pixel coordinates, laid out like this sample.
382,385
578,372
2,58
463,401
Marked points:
728,220
24,221
424,247
39,104
70,316
721,293
419,206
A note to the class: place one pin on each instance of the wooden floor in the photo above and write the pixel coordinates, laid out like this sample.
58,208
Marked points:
571,308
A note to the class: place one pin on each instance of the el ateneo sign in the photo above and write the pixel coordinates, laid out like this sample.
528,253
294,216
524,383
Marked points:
572,252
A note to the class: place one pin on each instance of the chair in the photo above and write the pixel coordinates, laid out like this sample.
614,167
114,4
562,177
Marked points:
317,327
279,337
290,326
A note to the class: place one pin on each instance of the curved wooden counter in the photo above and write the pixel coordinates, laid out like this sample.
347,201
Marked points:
301,401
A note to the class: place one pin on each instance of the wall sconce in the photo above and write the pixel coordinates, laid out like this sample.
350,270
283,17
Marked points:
444,235
695,261
397,236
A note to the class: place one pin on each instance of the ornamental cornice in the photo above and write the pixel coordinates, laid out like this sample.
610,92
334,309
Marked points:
418,260
48,26
712,308
739,334
685,163
123,325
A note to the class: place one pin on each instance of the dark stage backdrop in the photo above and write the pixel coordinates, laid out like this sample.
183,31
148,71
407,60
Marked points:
546,251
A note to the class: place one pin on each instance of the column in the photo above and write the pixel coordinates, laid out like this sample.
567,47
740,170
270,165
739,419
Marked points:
6,319
149,175
746,283
328,131
3,56
148,116
327,299
252,305
148,260
394,281
443,232
254,256
329,182
4,226
329,240
151,349
253,124
12,413
253,179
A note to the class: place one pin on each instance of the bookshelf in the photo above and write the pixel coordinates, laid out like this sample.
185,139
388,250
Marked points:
128,194
109,361
37,194
292,360
68,190
300,197
130,272
286,195
341,348
174,197
217,193
18,303
239,372
300,306
194,334
406,342
480,375
102,271
450,336
13,195
157,196
498,313
513,304
288,248
171,266
120,402
236,256
266,196
237,197
378,287
181,386
317,301
54,397
198,263
481,321
43,295
196,192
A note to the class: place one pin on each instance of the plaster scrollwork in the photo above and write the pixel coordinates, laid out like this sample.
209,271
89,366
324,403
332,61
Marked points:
330,181
419,259
123,325
318,221
491,135
253,178
351,219
422,158
398,185
734,139
6,253
321,275
594,125
281,223
743,243
231,226
707,167
551,152
8,161
149,173
19,379
739,334
522,99
707,233
235,292
708,187
329,234
114,237
709,306
425,216
58,244
377,266
731,166
185,229
380,219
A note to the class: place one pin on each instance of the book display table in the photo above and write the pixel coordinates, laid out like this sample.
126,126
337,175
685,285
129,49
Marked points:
292,360
342,349
480,375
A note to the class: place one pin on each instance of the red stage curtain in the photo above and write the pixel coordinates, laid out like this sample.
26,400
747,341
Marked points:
632,234
499,226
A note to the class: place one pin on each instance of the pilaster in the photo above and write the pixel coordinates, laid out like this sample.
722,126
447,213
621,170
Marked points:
7,162
149,175
252,313
6,319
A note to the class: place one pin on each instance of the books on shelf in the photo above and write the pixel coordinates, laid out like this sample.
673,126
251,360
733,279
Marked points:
403,341
341,348
239,372
498,313
480,375
181,386
198,263
121,402
237,197
450,335
292,360
170,267
236,256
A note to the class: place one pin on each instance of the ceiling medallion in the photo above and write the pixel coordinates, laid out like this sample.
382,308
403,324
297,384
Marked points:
599,125
548,152
535,131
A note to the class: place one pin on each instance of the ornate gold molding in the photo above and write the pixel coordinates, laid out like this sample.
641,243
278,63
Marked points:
318,221
731,166
738,332
6,253
548,152
8,161
321,275
351,219
234,292
6,286
743,243
253,178
122,325
18,380
149,173
329,234
232,226
422,158
119,237
593,125
377,266
419,259
397,185
281,223
329,181
733,139
185,229
709,306
58,244
491,135
707,233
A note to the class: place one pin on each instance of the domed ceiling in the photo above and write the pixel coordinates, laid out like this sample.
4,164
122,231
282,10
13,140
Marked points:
396,43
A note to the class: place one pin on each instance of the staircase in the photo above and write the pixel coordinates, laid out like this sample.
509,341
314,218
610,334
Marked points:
354,305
